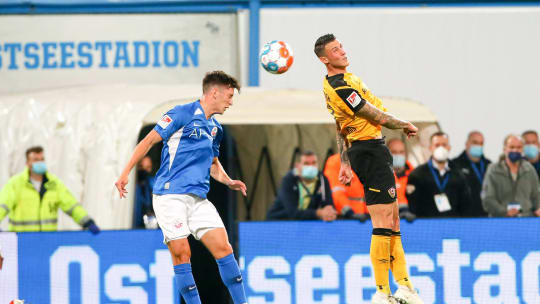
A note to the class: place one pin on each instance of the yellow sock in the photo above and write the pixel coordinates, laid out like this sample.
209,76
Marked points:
398,265
380,258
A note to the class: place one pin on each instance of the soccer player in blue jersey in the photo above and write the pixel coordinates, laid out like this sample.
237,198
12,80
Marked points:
191,137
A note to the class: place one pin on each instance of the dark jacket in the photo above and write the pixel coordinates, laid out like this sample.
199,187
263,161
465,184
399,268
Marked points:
286,203
463,163
421,189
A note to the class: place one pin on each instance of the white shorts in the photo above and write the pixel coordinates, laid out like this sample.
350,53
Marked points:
180,215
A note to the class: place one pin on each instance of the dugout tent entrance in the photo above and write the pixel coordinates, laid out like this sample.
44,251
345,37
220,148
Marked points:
89,132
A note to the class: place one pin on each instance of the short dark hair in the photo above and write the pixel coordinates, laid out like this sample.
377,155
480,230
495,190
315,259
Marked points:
219,78
34,149
438,133
529,132
322,42
304,152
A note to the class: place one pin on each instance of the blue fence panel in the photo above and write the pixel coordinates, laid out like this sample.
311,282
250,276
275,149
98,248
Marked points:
450,260
78,267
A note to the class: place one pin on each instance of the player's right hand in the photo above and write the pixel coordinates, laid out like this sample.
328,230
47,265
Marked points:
345,174
411,130
121,186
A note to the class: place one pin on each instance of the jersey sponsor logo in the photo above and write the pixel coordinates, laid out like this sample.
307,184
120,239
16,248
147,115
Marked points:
165,121
350,130
353,99
196,124
214,131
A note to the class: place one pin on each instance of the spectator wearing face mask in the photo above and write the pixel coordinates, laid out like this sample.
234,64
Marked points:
349,200
511,186
32,198
473,164
402,169
437,189
304,193
530,150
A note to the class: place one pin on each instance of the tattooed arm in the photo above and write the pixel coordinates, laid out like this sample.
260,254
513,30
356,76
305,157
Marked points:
342,145
345,172
371,113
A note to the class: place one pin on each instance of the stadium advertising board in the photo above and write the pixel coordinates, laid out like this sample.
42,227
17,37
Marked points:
462,261
58,50
454,261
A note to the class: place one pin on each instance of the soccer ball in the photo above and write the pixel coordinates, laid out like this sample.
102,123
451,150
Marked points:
276,57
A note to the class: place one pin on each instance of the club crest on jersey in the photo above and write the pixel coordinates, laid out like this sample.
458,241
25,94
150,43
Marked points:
392,192
165,121
353,99
214,131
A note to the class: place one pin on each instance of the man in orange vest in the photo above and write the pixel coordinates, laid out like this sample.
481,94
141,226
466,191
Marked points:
402,168
349,200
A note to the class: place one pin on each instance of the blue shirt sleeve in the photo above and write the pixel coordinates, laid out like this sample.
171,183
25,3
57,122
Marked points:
217,140
172,121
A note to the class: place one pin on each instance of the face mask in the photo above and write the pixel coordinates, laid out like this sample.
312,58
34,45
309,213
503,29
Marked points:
309,172
39,167
398,160
440,154
476,151
514,156
530,151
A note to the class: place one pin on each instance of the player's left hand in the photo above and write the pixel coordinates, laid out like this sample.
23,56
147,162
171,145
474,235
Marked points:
411,130
238,186
537,212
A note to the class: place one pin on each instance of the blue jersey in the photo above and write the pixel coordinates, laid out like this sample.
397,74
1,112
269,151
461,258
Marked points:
190,143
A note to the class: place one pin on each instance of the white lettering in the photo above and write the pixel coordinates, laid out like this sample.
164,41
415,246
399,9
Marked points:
307,283
426,287
115,289
279,288
530,266
505,280
355,282
162,270
88,260
451,260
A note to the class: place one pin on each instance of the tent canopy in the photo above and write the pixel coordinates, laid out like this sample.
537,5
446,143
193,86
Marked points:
89,132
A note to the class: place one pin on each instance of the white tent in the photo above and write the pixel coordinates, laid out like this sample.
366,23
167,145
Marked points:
88,133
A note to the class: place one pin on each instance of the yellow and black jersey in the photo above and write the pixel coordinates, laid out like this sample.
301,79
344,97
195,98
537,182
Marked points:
345,95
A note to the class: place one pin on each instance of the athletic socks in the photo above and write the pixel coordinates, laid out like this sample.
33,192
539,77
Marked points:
398,265
186,284
232,278
380,257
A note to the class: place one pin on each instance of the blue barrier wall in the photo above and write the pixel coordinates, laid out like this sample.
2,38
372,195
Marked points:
78,267
454,261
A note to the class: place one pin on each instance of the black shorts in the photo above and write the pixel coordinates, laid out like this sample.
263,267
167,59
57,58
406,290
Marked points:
372,162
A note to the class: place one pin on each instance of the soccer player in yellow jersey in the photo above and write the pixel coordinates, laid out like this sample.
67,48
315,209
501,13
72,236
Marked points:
359,116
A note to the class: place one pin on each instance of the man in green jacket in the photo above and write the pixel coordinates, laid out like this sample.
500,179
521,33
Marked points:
511,187
31,198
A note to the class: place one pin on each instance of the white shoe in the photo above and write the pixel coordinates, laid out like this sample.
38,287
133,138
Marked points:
382,298
405,295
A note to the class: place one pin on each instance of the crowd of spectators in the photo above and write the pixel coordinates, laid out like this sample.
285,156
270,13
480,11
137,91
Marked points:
469,185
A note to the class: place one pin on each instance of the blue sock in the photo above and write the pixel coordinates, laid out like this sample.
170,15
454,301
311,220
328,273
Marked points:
232,278
186,284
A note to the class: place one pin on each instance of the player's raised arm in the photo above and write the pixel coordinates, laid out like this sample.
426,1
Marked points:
140,151
218,173
388,120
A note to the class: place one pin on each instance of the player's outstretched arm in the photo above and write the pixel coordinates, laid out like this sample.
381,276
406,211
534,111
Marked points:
345,172
140,151
388,120
218,173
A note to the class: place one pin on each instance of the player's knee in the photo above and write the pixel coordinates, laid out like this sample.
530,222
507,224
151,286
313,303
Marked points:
224,249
